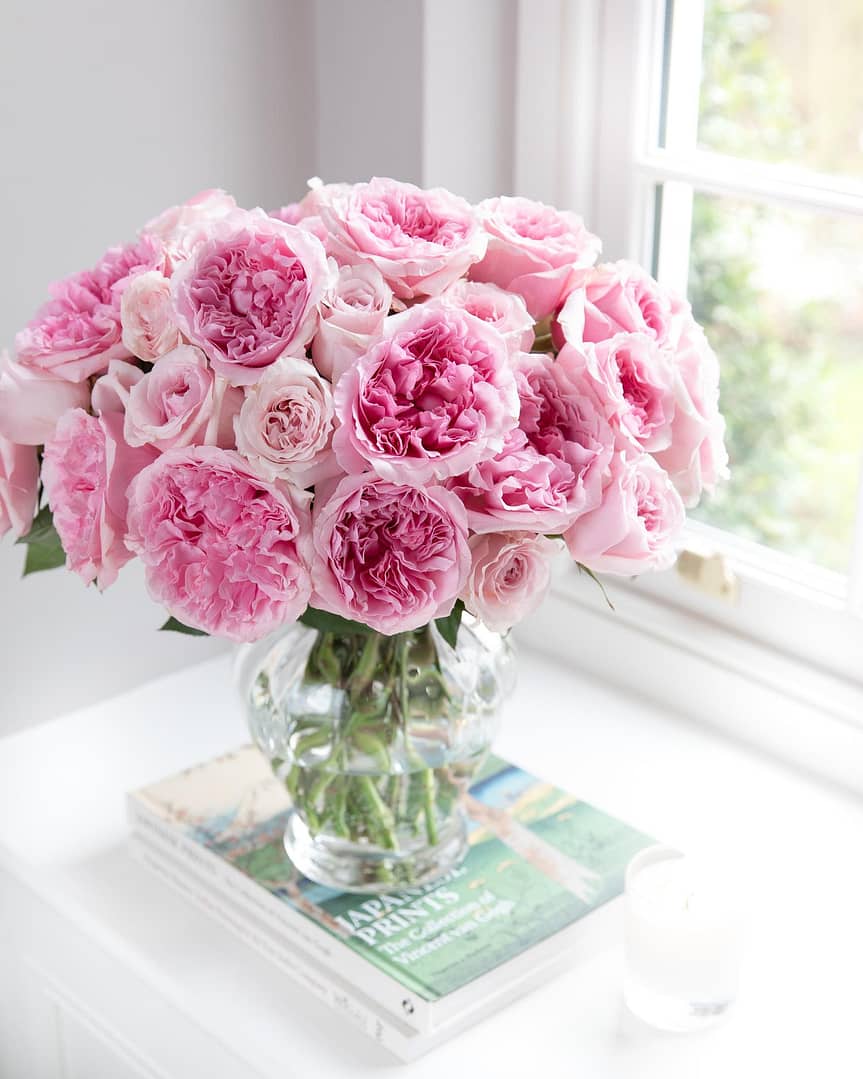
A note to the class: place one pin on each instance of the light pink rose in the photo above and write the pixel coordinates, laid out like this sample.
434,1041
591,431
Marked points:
389,556
31,402
147,316
19,484
633,381
225,551
552,468
505,311
421,241
292,214
285,427
617,297
249,292
509,576
111,391
534,250
696,460
635,527
352,313
86,470
434,396
181,402
77,332
180,227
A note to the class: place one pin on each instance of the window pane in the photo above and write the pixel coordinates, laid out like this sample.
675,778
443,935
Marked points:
782,81
780,294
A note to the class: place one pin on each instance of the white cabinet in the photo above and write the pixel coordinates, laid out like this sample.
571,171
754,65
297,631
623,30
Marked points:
105,973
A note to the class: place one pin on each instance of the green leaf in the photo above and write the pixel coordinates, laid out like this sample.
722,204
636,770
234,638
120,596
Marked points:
448,627
44,549
325,622
175,626
598,582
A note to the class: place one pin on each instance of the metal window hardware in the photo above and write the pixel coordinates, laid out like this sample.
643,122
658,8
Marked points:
710,574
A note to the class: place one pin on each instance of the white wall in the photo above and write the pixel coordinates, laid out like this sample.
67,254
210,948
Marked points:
108,113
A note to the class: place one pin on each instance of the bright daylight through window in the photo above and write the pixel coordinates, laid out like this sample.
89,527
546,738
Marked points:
768,248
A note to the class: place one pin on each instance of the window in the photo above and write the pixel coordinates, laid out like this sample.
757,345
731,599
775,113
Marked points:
729,157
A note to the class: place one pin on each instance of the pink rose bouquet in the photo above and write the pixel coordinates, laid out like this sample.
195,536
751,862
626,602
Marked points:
379,405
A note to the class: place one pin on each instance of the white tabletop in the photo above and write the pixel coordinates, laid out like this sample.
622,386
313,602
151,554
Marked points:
798,845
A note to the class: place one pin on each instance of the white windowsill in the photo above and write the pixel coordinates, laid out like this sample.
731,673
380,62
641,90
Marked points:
63,832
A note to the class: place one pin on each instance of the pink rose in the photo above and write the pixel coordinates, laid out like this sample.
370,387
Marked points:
111,391
352,313
225,551
19,484
503,310
77,332
249,292
285,426
421,241
509,576
147,316
180,402
617,297
389,556
696,460
291,214
534,250
86,470
31,402
635,527
633,381
180,227
434,396
552,468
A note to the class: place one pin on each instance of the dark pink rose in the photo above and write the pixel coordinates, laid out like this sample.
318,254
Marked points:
31,402
535,250
509,576
390,556
249,292
421,241
78,331
635,527
86,470
435,395
696,459
19,485
225,551
633,381
617,297
552,468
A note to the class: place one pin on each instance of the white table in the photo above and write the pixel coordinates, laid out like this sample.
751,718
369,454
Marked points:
106,973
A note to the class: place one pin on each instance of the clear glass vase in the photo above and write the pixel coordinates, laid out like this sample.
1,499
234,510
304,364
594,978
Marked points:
374,739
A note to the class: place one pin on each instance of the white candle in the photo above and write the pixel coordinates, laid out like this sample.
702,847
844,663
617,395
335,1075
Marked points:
682,927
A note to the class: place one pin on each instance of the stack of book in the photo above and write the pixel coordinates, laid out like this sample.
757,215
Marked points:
414,967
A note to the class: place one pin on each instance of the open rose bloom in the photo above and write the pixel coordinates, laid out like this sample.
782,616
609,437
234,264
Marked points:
346,406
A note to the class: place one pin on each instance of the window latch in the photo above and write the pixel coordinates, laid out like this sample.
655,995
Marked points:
710,574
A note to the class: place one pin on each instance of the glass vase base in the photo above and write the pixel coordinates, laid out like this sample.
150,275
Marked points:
355,867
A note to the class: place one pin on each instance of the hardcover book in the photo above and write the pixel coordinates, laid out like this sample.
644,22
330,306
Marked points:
414,966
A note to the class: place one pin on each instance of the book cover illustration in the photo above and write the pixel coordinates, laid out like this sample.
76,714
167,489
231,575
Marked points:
539,860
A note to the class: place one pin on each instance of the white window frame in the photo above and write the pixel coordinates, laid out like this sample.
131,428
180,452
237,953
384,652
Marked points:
583,140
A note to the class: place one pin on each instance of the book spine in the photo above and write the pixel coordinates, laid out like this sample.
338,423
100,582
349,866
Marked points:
281,918
305,972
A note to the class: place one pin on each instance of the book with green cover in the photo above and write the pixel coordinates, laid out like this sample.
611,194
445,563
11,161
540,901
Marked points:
540,859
